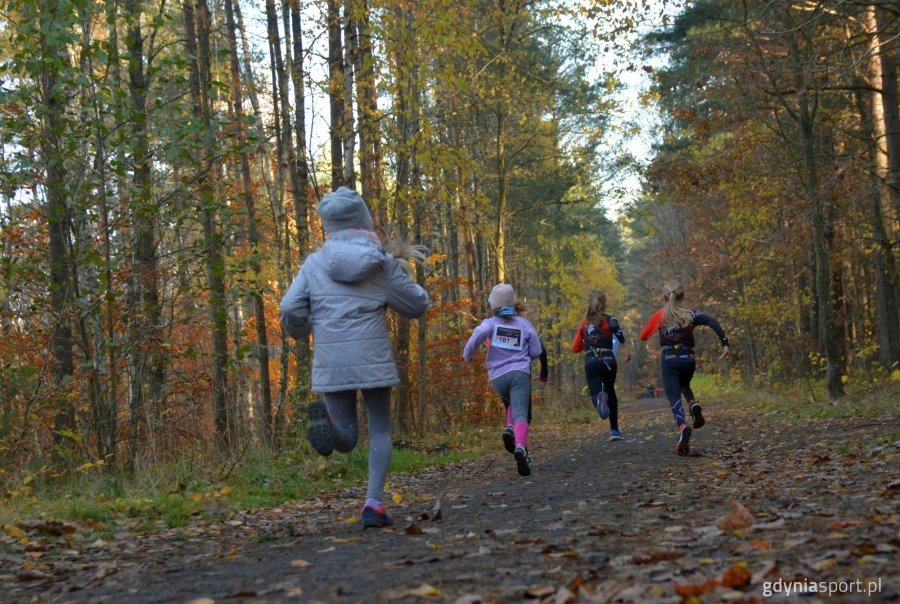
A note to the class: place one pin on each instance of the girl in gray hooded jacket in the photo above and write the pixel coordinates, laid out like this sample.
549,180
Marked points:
341,294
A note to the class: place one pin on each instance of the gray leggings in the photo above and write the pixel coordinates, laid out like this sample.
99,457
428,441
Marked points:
514,388
342,409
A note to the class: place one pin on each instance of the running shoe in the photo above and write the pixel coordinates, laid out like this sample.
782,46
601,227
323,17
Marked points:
523,462
375,517
683,446
601,404
697,414
509,439
615,435
320,434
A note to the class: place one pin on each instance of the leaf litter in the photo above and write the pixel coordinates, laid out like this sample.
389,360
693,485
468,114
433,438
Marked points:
717,526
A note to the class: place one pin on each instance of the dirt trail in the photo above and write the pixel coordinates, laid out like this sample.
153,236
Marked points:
598,521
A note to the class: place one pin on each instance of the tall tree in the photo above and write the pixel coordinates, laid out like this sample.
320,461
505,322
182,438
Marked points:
146,360
197,29
257,291
54,21
336,92
885,132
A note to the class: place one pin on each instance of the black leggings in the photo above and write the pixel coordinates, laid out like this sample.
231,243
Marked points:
677,371
602,375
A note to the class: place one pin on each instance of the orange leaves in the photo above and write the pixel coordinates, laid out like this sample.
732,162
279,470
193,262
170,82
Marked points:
738,518
736,576
695,589
655,555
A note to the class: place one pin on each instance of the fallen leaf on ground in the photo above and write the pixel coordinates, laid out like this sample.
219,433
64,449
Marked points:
13,531
738,517
655,555
424,590
436,513
736,576
769,526
413,529
300,564
539,592
695,589
564,596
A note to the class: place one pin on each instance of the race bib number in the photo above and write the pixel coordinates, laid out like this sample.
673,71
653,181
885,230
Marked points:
508,337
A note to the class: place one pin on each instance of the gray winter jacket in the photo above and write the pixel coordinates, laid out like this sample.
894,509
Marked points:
342,292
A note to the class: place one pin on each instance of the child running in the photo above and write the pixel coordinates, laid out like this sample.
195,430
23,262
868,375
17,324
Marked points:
597,337
513,344
675,325
341,293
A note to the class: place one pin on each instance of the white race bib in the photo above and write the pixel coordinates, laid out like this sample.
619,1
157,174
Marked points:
509,337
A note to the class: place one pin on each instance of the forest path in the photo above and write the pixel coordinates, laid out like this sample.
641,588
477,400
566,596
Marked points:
598,521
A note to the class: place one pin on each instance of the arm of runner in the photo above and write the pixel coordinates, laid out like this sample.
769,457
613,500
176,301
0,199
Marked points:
578,342
543,359
479,334
701,319
652,325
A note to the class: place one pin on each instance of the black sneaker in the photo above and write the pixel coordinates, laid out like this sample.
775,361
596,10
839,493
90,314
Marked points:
320,435
523,462
683,447
509,439
697,414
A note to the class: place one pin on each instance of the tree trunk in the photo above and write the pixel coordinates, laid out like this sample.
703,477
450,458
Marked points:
879,120
336,92
827,328
500,231
406,114
301,199
886,55
370,160
349,177
197,27
52,112
147,363
262,339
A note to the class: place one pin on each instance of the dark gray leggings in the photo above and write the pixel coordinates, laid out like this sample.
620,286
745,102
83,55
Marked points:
342,409
514,389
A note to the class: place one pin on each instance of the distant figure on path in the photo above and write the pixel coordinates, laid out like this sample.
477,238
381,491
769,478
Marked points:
513,344
596,337
650,392
341,293
675,325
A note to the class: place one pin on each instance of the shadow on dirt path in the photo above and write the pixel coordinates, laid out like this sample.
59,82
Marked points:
598,521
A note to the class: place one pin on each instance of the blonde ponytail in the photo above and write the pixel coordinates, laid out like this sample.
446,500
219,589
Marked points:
596,306
673,314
